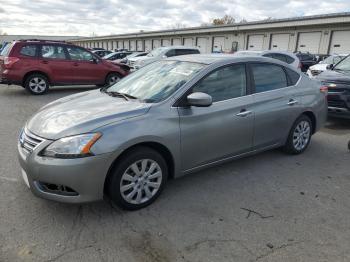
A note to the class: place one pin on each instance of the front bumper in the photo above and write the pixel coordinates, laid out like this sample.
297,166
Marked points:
86,176
339,104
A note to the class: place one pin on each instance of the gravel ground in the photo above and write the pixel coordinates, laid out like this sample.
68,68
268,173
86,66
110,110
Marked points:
268,207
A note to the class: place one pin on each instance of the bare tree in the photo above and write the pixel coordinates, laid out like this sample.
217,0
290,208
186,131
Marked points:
226,20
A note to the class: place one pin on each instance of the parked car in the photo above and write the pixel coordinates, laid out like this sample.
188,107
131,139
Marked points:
123,142
135,54
97,48
101,53
306,60
161,53
322,65
116,55
37,65
337,79
283,56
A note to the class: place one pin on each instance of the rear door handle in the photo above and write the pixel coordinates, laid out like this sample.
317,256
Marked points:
45,62
244,113
76,64
292,102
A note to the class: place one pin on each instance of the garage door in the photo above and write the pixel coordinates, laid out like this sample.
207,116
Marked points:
177,41
165,42
340,43
280,42
126,45
255,42
132,45
139,45
148,45
219,44
309,42
203,44
156,43
188,41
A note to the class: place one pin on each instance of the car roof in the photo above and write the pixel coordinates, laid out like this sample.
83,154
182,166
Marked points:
179,47
222,58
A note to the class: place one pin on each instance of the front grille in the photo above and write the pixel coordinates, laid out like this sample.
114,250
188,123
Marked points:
335,103
29,141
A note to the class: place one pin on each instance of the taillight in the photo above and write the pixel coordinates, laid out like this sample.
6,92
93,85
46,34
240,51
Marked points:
324,89
300,65
9,61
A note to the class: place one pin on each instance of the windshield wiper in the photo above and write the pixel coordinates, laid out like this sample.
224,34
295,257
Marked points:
118,94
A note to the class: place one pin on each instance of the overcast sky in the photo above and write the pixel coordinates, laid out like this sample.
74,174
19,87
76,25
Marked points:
104,17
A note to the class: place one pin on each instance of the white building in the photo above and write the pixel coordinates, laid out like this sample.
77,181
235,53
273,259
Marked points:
319,34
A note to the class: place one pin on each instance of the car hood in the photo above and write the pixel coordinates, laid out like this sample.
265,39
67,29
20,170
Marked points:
335,76
82,113
319,67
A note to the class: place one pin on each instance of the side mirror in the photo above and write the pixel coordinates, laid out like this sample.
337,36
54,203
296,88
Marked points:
199,99
330,67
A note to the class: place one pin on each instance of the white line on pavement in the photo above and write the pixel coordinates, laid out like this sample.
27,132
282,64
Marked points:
8,179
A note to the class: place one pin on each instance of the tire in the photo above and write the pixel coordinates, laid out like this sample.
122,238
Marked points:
37,84
128,188
299,136
112,78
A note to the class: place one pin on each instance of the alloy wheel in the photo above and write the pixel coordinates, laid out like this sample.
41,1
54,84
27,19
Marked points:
37,85
301,135
113,79
141,181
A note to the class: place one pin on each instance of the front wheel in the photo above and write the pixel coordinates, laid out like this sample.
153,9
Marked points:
112,78
37,84
299,136
138,178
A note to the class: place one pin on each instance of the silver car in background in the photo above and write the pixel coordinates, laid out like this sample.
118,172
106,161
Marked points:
161,53
170,118
284,56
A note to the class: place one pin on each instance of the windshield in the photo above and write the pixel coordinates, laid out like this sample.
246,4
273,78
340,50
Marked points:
109,55
156,52
332,59
157,81
343,65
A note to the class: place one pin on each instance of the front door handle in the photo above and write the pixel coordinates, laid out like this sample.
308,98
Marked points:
76,64
244,113
292,102
45,62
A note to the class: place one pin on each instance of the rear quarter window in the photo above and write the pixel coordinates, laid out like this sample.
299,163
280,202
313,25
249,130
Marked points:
293,76
6,50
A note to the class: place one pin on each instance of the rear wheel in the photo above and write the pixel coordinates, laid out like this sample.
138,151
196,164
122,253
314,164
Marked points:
138,178
37,84
299,136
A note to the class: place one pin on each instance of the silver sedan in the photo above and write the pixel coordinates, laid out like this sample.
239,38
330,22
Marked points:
170,118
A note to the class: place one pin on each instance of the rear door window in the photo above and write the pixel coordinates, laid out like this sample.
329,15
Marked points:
28,50
53,52
268,77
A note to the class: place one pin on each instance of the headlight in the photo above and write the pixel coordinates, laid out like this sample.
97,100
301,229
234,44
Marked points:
72,147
